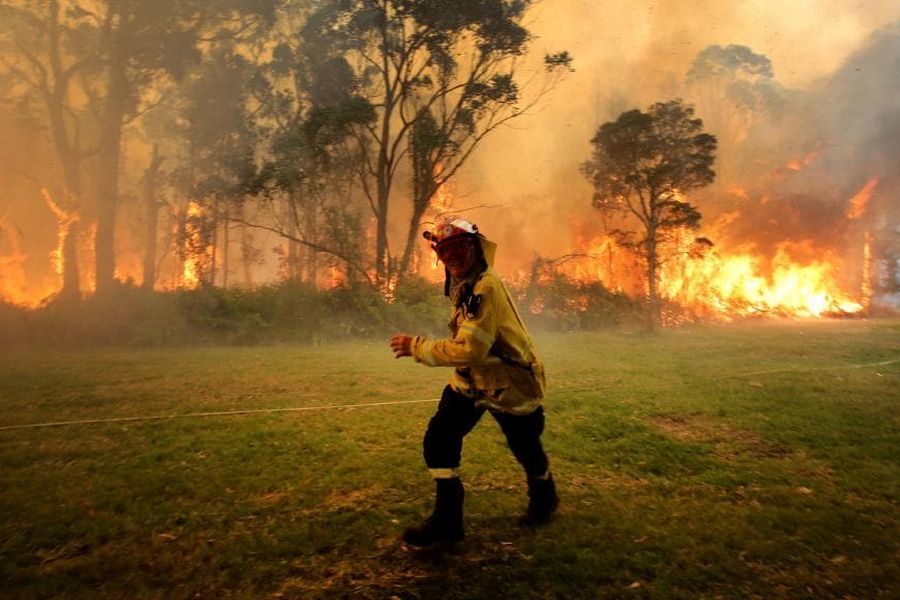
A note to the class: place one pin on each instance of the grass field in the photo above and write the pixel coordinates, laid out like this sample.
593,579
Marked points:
754,460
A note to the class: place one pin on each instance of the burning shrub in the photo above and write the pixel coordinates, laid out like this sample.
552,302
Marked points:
561,304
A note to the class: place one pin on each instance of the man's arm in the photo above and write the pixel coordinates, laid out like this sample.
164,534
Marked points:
473,341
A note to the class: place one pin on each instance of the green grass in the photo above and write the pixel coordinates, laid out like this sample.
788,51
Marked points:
754,460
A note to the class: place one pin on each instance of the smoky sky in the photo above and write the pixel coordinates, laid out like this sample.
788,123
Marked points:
523,186
631,54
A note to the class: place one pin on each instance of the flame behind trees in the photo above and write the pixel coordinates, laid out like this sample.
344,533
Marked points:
36,57
642,165
337,88
309,104
99,65
734,90
451,68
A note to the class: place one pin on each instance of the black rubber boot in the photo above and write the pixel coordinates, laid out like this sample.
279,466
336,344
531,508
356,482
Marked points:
542,502
445,525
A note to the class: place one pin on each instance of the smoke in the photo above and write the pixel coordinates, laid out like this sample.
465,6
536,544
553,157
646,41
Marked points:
839,80
838,60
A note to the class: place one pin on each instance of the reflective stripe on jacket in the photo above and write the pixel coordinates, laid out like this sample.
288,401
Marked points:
491,350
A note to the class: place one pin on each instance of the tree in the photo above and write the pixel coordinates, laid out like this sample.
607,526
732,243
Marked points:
642,165
734,89
140,45
220,141
308,103
453,66
36,55
111,60
150,196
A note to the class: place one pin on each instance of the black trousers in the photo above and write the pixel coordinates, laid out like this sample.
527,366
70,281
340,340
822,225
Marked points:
456,416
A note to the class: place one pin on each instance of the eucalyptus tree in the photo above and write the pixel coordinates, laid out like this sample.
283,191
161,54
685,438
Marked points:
306,103
309,100
120,54
449,71
734,90
40,64
642,165
218,168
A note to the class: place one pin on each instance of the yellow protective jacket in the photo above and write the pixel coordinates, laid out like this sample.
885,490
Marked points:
493,354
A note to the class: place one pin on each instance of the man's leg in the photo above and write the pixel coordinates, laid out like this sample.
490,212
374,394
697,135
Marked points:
455,417
523,434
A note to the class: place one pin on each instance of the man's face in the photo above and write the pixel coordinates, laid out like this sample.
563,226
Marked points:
458,255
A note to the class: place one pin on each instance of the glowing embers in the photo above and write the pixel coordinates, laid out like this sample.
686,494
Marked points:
429,265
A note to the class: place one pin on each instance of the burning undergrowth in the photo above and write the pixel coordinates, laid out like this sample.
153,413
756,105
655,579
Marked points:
289,312
801,221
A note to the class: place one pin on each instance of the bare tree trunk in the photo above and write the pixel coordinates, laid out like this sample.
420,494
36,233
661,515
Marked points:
610,268
246,249
214,242
292,255
411,238
151,217
382,273
652,292
108,184
181,245
384,172
67,223
312,256
225,241
71,278
70,158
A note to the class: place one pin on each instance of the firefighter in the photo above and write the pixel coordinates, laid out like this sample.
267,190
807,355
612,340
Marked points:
496,370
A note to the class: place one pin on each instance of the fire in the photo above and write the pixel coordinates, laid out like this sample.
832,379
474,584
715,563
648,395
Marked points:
710,282
192,271
65,220
13,282
429,266
726,285
800,162
337,277
859,202
867,270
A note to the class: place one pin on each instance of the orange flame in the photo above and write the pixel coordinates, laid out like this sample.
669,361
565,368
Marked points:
65,219
858,203
867,270
800,162
728,285
428,266
13,281
193,267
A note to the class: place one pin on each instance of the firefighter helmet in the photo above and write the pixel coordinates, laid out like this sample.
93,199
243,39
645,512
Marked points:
450,227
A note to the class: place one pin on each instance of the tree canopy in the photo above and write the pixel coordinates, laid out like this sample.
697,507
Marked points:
643,164
440,76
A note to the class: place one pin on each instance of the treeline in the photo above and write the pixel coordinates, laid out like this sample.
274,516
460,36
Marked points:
290,312
178,129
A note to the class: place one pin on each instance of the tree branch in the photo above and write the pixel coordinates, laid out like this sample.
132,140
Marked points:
318,247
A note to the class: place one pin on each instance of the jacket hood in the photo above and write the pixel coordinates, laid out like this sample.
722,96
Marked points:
488,248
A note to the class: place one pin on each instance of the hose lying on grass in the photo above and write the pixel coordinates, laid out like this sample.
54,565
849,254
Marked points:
229,413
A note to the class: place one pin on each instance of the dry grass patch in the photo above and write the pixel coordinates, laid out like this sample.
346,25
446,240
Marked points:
730,443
